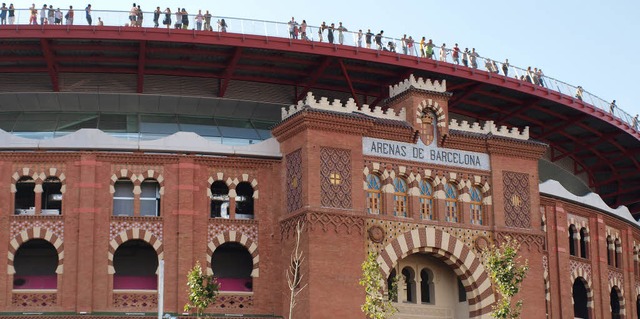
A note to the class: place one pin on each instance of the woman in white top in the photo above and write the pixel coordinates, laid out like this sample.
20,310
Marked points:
443,53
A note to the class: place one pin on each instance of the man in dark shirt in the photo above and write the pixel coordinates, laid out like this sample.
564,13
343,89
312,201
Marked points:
379,39
368,37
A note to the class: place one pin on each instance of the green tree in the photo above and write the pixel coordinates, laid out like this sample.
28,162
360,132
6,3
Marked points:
203,290
376,304
507,273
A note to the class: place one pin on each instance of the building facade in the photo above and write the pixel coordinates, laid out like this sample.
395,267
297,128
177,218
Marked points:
86,223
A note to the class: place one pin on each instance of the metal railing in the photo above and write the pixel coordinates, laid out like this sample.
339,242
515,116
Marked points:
350,37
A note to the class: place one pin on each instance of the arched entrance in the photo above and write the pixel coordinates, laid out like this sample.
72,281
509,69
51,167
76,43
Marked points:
135,263
35,264
452,252
232,265
580,299
616,303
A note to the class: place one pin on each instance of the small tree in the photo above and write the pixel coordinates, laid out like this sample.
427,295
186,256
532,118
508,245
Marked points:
507,273
294,275
376,305
203,290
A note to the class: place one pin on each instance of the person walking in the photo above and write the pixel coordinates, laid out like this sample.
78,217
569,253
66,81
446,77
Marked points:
367,38
70,15
87,11
341,29
505,67
579,92
156,17
3,14
612,106
199,20
456,54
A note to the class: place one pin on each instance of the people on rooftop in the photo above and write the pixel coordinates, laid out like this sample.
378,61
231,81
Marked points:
49,16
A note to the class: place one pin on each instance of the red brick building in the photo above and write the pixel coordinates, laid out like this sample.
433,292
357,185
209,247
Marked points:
104,175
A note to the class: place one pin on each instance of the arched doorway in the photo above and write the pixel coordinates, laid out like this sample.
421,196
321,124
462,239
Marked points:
580,299
135,263
232,264
436,289
35,264
455,254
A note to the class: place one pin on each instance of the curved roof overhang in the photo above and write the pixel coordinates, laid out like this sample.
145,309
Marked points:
599,145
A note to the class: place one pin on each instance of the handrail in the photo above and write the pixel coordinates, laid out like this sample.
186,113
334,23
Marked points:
350,37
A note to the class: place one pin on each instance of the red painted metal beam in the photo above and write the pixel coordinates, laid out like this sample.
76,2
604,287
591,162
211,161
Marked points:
315,75
51,65
231,66
142,58
564,124
519,109
345,72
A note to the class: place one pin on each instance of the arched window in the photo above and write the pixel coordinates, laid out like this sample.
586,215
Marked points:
409,284
618,252
25,197
580,299
427,293
451,202
392,286
584,249
51,201
614,298
219,200
374,194
476,206
426,200
610,250
244,201
150,198
35,263
123,198
232,265
462,292
135,262
572,242
399,197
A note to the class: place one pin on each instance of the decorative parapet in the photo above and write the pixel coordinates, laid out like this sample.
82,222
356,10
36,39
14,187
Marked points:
337,106
490,127
420,83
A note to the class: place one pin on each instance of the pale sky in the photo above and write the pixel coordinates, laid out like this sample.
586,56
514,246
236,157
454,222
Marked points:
592,43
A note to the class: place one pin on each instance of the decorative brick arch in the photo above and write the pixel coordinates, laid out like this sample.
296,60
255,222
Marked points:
133,233
35,233
237,237
129,174
580,274
384,172
429,104
620,292
51,172
451,251
232,183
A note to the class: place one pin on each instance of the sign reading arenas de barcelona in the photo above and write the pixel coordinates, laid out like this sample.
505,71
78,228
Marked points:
431,154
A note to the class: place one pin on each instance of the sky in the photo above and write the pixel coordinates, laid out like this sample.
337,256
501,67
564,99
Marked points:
591,43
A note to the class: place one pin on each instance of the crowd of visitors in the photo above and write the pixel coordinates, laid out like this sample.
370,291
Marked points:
424,48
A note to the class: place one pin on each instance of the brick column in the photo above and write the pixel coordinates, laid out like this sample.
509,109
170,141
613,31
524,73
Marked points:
80,232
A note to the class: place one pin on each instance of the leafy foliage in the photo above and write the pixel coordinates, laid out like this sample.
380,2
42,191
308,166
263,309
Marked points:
203,290
507,273
376,305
